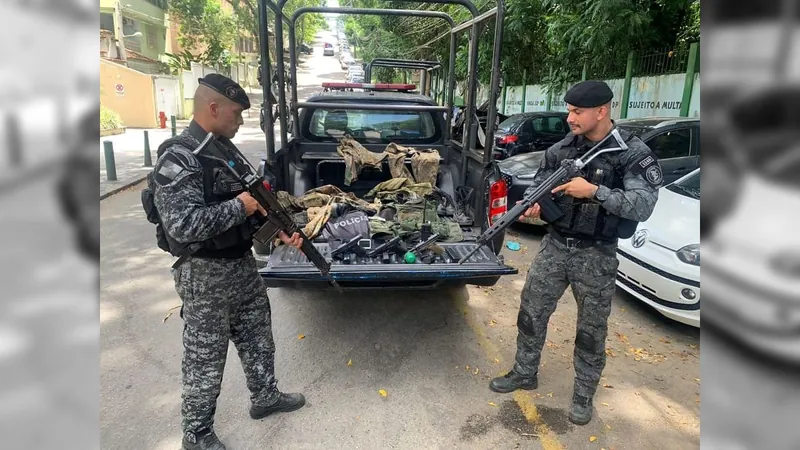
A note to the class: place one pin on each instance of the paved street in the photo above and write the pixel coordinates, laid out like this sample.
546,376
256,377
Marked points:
432,352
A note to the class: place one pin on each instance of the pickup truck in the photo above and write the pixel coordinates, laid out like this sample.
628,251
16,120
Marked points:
309,159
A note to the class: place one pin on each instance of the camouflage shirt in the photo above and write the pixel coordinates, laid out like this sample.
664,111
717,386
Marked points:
641,180
179,199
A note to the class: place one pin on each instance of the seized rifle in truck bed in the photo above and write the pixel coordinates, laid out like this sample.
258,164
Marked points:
569,168
277,218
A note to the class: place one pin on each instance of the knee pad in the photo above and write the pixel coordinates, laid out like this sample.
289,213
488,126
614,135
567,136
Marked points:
586,341
525,322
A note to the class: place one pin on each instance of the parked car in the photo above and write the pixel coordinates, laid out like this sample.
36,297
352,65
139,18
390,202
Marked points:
529,132
328,49
675,140
660,263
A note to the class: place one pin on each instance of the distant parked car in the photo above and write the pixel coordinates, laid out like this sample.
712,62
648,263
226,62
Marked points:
675,140
529,132
328,49
660,263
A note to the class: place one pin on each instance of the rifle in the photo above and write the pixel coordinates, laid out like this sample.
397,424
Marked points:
277,218
569,168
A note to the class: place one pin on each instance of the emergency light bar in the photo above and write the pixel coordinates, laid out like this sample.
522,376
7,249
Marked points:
370,86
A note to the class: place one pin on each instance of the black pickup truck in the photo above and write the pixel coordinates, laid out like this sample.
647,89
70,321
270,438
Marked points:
309,159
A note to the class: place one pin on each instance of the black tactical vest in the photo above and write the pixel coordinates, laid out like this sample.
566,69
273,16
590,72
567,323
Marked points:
218,186
586,218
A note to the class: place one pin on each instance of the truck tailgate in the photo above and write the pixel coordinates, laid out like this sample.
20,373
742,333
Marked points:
288,266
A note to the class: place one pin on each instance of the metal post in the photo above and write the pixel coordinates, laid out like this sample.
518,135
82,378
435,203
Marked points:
472,91
14,140
688,84
491,116
281,78
524,88
503,104
626,90
549,95
148,161
266,82
111,166
174,126
423,81
584,72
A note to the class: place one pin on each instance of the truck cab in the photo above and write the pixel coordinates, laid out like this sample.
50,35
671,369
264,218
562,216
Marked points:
376,116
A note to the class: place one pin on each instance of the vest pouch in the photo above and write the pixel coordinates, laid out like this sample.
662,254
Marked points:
550,212
626,228
226,239
567,206
149,206
585,221
161,238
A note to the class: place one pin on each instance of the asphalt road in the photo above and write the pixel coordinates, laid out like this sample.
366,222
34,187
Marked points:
431,352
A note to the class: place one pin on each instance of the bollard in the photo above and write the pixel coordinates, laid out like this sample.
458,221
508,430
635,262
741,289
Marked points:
174,129
148,161
111,167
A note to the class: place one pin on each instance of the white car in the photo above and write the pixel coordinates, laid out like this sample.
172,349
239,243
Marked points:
751,268
660,263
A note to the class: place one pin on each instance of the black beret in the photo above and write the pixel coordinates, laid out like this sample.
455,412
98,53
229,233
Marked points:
226,87
589,94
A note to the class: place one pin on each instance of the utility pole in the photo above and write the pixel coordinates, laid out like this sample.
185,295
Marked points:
118,31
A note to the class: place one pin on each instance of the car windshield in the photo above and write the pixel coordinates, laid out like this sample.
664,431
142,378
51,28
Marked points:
372,126
510,124
689,186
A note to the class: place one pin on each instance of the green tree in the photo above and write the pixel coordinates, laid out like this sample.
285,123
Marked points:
203,22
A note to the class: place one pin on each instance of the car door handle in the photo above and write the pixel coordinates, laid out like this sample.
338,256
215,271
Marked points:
681,170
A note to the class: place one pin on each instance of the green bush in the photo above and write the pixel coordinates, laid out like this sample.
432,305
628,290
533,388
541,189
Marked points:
109,119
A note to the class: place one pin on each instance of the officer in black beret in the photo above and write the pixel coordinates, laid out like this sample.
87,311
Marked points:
205,217
603,204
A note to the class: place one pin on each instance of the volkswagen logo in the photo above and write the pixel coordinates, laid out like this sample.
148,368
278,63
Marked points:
639,238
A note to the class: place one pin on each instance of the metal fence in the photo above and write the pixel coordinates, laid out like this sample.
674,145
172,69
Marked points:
664,62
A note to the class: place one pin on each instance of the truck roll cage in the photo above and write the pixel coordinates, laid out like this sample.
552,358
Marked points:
468,143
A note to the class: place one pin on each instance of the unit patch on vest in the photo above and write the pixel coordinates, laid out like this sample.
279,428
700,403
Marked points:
650,167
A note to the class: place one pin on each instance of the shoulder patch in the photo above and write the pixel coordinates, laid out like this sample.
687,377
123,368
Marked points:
170,167
648,165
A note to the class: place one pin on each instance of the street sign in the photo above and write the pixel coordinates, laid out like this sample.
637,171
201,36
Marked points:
120,89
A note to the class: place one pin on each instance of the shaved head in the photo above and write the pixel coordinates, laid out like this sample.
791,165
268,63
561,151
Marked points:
216,113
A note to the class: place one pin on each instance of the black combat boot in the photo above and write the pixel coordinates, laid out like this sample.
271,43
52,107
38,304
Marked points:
205,440
512,381
285,403
581,411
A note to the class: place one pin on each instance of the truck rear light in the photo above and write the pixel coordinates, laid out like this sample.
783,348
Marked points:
498,200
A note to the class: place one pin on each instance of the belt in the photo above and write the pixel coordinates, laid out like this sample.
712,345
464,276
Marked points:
574,242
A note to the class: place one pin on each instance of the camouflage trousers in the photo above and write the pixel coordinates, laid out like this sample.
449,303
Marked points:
223,299
591,272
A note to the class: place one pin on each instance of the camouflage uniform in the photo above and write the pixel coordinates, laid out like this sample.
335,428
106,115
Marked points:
223,299
591,271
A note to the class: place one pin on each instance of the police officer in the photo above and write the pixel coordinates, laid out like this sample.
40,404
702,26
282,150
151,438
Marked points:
223,296
617,190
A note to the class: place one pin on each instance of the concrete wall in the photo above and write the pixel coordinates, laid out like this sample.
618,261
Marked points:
136,103
650,96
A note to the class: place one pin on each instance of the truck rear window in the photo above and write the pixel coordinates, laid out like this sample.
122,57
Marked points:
375,125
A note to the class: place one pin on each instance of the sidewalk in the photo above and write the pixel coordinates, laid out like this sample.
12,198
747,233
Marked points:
129,151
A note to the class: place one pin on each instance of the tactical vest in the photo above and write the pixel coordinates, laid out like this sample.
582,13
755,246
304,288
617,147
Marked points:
218,187
586,218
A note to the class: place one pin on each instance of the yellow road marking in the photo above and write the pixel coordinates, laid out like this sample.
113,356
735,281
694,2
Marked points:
546,437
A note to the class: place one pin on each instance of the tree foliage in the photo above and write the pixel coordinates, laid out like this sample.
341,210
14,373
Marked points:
203,23
545,41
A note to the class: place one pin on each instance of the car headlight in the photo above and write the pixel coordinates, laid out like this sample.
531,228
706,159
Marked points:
527,176
690,254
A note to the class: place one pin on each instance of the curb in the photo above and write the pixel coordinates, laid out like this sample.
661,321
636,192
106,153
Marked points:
113,132
123,187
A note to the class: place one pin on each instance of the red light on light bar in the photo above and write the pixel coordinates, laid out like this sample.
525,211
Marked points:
371,86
